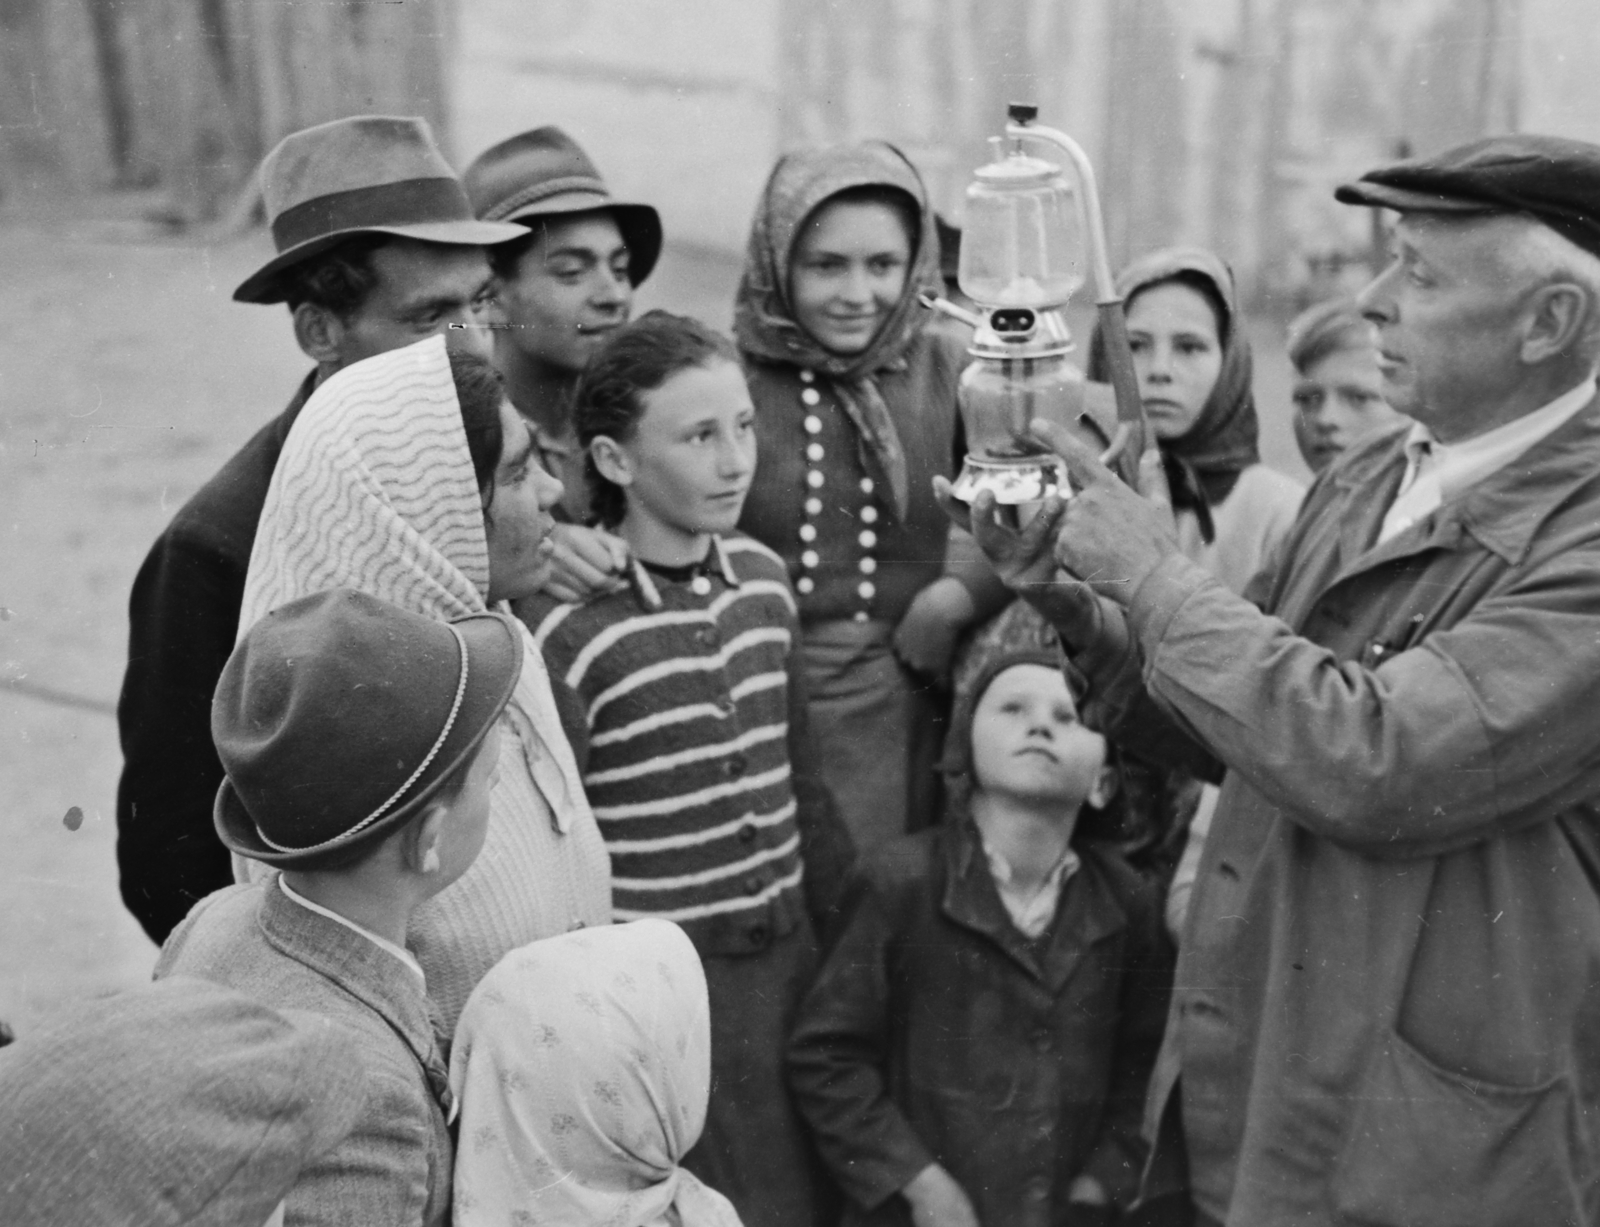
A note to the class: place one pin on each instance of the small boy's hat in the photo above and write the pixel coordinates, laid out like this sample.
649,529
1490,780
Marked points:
180,1102
545,173
369,174
971,682
339,715
1553,179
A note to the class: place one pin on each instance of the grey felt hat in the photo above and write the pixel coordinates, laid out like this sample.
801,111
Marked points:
545,173
369,174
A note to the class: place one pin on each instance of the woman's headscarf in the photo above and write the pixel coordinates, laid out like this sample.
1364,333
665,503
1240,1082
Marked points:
583,1065
763,319
375,491
1202,465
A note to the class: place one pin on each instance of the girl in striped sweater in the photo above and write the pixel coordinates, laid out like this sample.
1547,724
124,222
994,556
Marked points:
692,737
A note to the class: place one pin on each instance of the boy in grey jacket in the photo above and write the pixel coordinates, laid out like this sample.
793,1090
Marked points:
359,742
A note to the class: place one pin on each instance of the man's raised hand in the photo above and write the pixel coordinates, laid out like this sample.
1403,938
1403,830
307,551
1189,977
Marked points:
1107,535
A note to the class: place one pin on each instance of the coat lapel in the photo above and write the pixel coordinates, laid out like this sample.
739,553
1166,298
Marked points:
370,974
1085,914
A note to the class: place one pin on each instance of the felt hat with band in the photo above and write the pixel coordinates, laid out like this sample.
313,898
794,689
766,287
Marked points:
1550,178
339,715
545,173
370,174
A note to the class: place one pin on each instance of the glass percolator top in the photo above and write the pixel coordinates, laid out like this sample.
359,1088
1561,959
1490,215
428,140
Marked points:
1023,241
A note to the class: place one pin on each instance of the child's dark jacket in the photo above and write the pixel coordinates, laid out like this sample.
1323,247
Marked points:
938,1032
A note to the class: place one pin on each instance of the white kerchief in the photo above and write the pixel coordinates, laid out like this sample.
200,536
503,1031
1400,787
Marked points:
375,491
583,1067
1436,472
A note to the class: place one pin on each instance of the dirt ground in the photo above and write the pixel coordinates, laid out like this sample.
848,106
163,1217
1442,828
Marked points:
126,377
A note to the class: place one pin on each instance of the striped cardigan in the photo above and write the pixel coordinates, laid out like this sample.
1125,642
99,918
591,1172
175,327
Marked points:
695,751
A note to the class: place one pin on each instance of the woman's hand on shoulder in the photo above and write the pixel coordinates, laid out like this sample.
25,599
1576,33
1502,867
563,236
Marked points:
585,563
926,638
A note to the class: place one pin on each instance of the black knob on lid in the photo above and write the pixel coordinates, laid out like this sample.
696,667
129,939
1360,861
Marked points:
1023,112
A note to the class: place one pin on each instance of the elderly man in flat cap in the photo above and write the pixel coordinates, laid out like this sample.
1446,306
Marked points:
377,247
1387,1007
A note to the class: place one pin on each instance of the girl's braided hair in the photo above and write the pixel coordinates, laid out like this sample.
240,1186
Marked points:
609,399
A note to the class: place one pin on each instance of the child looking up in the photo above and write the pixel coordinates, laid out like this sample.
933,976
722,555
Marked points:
360,745
694,746
976,1048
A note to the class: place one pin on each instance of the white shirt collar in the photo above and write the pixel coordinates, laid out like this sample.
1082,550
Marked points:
383,943
1463,464
1031,913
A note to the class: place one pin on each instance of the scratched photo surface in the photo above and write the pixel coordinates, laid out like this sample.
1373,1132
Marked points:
129,134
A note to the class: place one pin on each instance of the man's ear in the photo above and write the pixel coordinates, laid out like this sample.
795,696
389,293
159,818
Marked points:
1105,787
320,334
1555,317
610,459
425,838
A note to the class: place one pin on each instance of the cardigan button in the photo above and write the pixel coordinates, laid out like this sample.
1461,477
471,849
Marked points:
805,585
813,506
754,884
814,479
813,424
747,833
869,514
758,935
814,452
706,636
736,766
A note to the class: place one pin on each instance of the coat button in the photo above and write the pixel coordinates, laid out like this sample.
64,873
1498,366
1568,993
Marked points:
746,833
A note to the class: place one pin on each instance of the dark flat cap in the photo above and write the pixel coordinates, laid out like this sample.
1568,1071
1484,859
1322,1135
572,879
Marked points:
1549,178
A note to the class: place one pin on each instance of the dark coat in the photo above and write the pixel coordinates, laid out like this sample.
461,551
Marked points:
183,620
938,1032
1389,989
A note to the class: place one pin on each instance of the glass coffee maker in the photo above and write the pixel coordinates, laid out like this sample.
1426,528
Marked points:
1032,233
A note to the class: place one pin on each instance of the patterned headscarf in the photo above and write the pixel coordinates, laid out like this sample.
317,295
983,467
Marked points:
1203,465
375,491
583,1067
763,320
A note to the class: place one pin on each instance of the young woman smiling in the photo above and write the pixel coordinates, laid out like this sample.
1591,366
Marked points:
854,387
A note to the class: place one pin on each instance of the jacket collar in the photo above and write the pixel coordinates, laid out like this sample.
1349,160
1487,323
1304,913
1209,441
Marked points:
1085,913
361,968
1501,513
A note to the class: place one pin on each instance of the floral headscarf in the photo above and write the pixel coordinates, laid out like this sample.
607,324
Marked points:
1203,465
583,1067
763,320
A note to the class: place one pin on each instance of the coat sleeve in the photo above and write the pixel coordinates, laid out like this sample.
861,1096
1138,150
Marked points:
1119,1153
381,1174
1472,733
826,848
183,617
838,1061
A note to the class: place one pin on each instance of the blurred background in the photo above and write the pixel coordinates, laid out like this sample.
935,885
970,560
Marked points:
129,131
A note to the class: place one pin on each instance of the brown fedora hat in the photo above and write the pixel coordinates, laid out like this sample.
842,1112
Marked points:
545,173
339,715
370,174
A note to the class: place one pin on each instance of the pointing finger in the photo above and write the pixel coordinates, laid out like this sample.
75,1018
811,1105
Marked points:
1083,463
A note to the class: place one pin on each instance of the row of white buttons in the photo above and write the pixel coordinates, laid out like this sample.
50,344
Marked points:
815,480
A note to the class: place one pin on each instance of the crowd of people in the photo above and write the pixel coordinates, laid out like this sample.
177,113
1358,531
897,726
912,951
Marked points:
589,771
